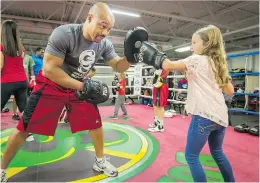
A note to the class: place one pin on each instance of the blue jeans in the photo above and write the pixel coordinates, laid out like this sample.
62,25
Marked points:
201,130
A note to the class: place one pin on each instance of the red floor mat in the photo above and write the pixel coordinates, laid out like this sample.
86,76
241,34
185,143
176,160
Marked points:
242,150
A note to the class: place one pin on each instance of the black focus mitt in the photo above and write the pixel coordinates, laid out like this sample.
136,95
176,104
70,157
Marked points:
138,34
94,91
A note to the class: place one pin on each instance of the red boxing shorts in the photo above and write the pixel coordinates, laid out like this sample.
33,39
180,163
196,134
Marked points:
160,95
45,105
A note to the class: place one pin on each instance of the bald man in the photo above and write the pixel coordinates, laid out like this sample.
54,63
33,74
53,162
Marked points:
71,52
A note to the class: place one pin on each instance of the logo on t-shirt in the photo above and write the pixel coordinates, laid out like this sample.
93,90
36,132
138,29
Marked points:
86,60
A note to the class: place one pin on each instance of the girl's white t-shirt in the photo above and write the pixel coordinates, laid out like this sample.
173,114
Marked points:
205,97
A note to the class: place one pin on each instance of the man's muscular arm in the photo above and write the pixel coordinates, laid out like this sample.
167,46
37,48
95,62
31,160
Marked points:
55,53
113,60
119,64
52,70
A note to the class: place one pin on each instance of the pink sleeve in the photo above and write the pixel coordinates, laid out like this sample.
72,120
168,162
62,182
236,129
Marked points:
1,47
192,63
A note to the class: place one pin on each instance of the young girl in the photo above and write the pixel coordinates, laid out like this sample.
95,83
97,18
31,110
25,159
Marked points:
208,77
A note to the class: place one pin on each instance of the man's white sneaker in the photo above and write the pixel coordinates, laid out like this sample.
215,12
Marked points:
3,176
106,167
30,138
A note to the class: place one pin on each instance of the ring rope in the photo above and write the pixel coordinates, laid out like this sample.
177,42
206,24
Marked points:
128,86
171,76
145,77
150,87
125,96
147,67
170,89
145,96
169,100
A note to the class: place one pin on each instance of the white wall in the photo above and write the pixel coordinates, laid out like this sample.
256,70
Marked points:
252,63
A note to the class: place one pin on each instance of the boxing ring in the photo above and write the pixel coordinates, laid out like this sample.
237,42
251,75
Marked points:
138,77
139,155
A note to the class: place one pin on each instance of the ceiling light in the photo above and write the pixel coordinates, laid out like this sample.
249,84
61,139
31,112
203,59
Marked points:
125,13
183,49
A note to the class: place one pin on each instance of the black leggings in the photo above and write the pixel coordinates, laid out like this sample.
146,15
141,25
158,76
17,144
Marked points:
18,89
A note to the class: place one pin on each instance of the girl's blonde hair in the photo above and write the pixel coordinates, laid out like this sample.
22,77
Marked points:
214,48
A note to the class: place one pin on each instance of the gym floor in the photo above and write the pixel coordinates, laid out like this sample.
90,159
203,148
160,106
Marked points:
140,156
